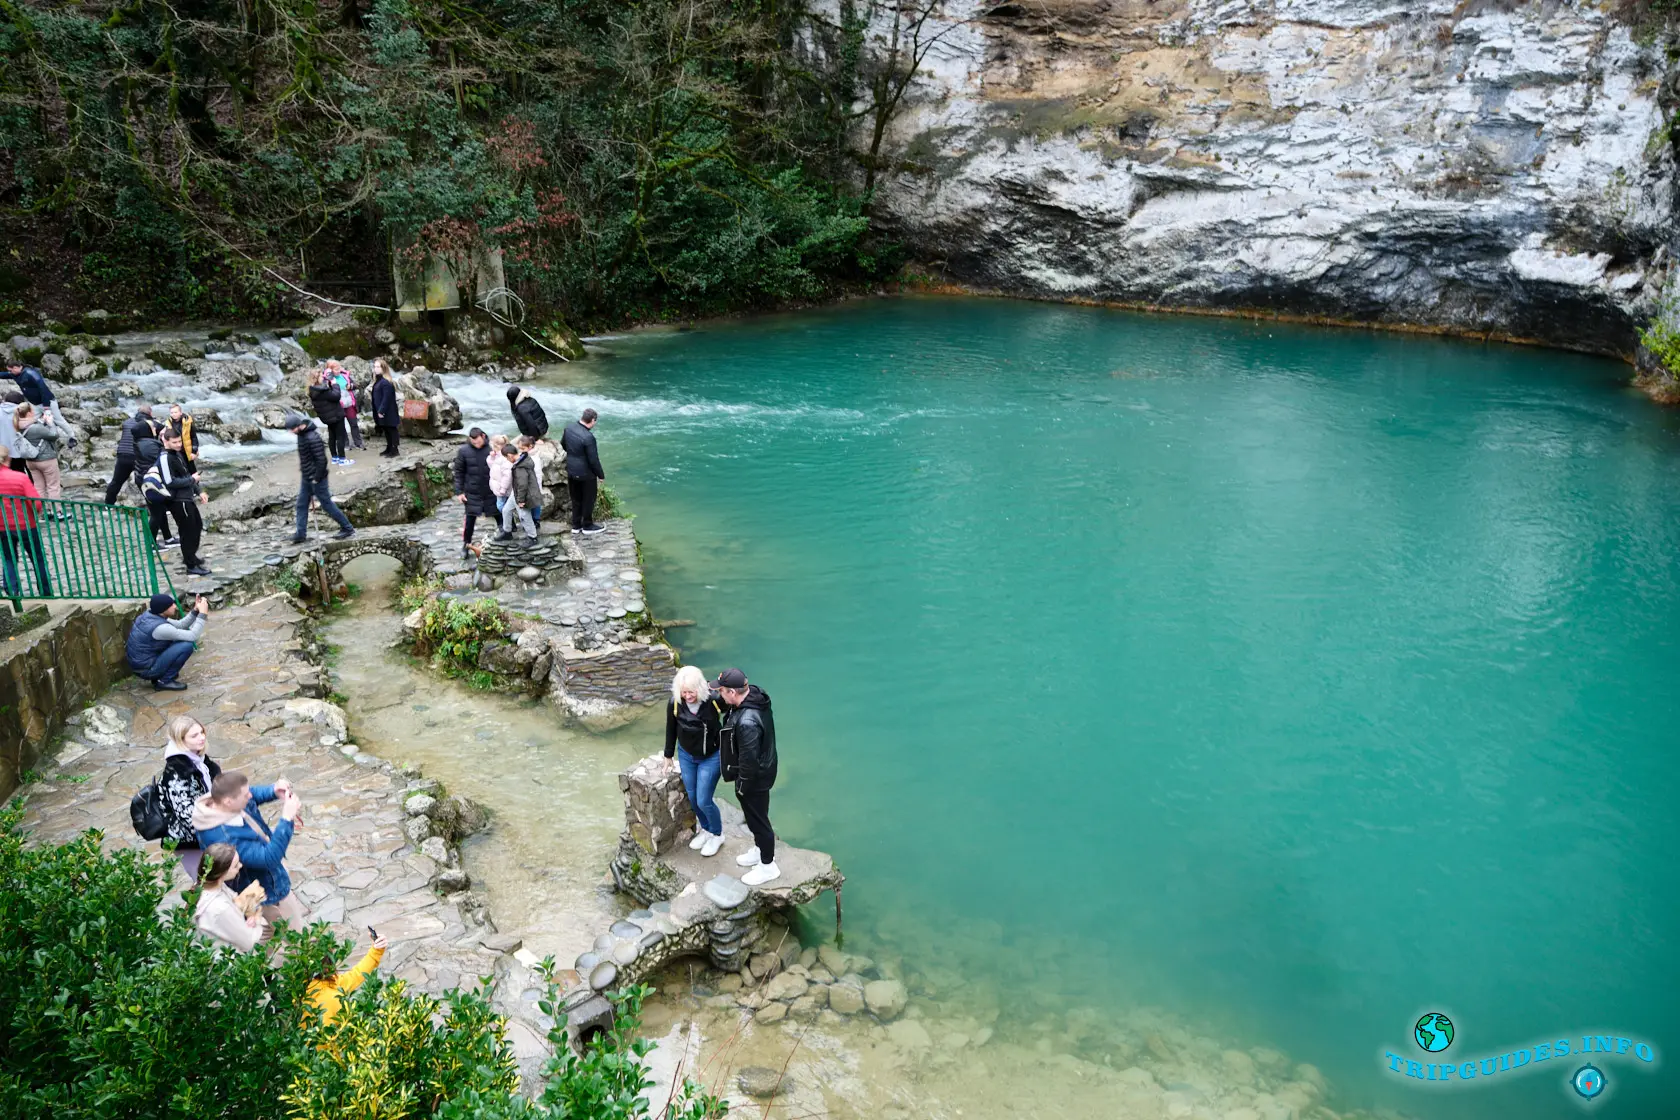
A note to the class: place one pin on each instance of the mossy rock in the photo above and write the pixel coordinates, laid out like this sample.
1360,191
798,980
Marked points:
221,334
29,355
369,316
54,326
348,343
563,339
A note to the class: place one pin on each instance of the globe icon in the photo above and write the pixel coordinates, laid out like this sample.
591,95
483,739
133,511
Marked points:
1434,1032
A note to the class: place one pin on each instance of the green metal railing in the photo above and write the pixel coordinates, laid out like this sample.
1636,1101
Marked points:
58,549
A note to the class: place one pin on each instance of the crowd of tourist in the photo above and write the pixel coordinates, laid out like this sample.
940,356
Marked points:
716,731
213,820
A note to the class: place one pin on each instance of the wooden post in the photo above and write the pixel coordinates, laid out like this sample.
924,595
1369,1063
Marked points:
421,486
321,581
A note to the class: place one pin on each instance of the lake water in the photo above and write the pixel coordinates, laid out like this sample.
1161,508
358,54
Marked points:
1294,681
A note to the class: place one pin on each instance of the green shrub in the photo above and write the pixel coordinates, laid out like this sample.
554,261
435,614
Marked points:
1662,339
106,1010
609,504
109,1010
392,1054
452,631
417,591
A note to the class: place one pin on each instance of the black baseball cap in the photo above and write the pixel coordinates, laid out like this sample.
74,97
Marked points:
730,678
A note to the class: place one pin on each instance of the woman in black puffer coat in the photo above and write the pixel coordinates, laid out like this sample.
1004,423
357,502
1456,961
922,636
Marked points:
323,396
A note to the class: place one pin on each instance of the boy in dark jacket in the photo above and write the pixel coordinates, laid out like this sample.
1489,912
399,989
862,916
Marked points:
749,760
312,467
32,385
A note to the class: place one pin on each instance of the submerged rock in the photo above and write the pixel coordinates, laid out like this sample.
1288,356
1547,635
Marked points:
763,1082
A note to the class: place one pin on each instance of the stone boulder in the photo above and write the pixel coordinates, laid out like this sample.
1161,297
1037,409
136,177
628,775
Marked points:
27,348
85,371
272,414
221,375
846,999
329,717
443,412
456,818
138,367
53,366
175,353
886,998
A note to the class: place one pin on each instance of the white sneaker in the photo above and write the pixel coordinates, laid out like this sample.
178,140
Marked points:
748,858
763,873
699,840
713,843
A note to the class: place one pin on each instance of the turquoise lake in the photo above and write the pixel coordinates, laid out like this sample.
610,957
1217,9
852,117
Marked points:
1297,681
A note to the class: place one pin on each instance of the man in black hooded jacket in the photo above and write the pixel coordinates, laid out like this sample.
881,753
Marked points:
749,760
527,413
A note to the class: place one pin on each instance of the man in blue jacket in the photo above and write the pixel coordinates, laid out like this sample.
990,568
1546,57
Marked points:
228,814
32,385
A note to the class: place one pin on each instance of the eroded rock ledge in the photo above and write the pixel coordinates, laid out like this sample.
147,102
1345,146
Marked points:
1487,169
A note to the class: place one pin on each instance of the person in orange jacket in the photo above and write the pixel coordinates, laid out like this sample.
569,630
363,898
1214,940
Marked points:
327,992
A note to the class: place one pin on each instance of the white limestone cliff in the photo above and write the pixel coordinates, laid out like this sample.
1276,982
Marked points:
1483,167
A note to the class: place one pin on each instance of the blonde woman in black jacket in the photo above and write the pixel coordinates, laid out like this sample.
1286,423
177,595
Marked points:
693,723
188,771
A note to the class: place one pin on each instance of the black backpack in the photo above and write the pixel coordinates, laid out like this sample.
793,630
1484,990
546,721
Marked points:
145,809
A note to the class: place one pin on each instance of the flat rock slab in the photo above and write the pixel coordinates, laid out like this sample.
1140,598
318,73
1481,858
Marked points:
805,873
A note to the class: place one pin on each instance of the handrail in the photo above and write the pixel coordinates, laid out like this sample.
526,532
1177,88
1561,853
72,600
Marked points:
54,548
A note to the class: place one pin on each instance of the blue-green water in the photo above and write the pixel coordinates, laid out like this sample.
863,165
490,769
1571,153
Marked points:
1298,681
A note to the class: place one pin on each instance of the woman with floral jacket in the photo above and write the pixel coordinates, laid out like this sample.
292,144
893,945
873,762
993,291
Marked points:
187,774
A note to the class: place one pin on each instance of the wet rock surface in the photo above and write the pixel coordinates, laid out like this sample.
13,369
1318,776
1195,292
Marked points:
1479,168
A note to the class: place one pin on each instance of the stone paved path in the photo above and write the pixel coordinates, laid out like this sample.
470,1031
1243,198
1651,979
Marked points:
351,862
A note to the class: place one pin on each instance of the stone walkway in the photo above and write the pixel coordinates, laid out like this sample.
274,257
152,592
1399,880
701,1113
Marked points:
254,683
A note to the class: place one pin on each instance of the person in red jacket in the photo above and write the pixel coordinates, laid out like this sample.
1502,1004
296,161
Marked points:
18,530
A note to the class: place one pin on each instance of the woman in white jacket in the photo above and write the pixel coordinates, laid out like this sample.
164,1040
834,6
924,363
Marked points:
218,915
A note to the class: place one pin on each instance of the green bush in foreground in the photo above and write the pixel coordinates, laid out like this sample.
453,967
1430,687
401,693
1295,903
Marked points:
110,1009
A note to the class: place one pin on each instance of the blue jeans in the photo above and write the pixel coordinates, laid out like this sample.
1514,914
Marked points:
700,778
320,492
167,663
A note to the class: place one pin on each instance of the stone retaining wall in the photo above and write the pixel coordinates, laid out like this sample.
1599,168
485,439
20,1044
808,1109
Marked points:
49,674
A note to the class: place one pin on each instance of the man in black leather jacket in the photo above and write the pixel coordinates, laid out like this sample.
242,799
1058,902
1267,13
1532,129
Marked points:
749,760
583,471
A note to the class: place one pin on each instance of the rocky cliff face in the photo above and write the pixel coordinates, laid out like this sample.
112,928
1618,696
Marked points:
1488,166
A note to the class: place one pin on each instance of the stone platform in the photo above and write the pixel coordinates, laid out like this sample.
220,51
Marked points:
693,906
